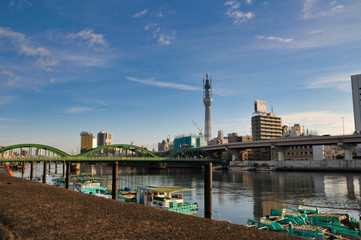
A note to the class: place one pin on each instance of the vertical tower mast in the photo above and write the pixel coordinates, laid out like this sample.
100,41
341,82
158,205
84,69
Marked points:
207,100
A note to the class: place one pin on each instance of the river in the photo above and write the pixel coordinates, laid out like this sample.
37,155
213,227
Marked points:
238,196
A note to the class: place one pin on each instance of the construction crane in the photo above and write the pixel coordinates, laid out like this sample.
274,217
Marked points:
200,130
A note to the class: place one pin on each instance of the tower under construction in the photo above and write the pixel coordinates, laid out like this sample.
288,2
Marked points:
207,100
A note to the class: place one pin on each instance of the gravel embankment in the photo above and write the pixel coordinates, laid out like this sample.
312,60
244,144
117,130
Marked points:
31,210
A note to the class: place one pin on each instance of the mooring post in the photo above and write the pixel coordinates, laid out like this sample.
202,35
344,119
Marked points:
23,169
31,170
44,172
64,168
67,179
208,212
115,181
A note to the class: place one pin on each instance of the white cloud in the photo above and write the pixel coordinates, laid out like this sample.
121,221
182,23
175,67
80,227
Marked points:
139,14
19,42
249,2
340,81
337,8
163,37
79,109
307,6
11,120
273,38
91,38
13,79
152,82
235,13
324,122
19,3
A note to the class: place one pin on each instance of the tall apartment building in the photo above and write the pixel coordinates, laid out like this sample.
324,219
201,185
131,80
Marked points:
86,141
104,139
265,125
356,97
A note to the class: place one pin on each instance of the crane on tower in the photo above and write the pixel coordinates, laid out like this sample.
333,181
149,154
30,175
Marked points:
200,130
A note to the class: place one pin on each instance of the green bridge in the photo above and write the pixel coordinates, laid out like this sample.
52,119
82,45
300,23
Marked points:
117,152
112,153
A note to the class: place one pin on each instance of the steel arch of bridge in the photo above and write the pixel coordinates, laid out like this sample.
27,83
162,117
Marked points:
37,146
138,150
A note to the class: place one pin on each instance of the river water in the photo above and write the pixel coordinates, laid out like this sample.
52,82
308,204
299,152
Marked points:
238,196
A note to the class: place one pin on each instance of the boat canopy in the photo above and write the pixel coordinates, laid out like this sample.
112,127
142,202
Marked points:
170,189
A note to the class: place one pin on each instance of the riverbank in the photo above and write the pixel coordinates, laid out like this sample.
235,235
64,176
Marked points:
31,210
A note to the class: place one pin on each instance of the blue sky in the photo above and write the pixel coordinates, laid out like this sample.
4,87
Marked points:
135,68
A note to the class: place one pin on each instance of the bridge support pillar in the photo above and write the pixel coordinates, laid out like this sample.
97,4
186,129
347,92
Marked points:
115,181
280,151
348,150
31,170
208,212
44,171
67,179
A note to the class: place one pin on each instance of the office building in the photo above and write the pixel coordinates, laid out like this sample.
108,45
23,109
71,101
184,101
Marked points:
87,141
188,141
104,139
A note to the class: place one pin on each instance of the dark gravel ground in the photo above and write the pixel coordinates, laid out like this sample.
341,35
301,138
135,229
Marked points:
31,210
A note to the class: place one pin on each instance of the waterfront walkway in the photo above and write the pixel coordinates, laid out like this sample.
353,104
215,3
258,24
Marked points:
31,210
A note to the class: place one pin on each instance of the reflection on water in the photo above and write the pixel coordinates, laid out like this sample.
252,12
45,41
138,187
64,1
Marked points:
238,196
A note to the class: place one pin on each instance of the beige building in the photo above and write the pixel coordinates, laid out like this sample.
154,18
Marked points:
165,145
86,141
266,126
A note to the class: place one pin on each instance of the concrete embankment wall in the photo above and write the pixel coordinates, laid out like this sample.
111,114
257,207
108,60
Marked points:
31,210
310,165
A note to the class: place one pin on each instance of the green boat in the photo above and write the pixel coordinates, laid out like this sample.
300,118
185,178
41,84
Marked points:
167,198
340,225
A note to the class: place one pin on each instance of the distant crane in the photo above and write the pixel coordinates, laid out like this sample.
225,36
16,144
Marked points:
200,130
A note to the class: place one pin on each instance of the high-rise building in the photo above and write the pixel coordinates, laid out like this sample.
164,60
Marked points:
265,125
207,100
87,141
356,96
105,139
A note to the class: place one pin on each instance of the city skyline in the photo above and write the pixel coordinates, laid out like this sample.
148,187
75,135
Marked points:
135,68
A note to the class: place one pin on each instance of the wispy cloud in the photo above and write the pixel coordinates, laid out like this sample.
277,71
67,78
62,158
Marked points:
324,122
340,81
19,42
91,39
19,3
11,120
163,37
152,82
273,38
13,80
79,109
236,14
307,6
139,14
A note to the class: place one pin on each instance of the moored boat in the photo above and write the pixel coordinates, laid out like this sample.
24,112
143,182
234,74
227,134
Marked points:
167,198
